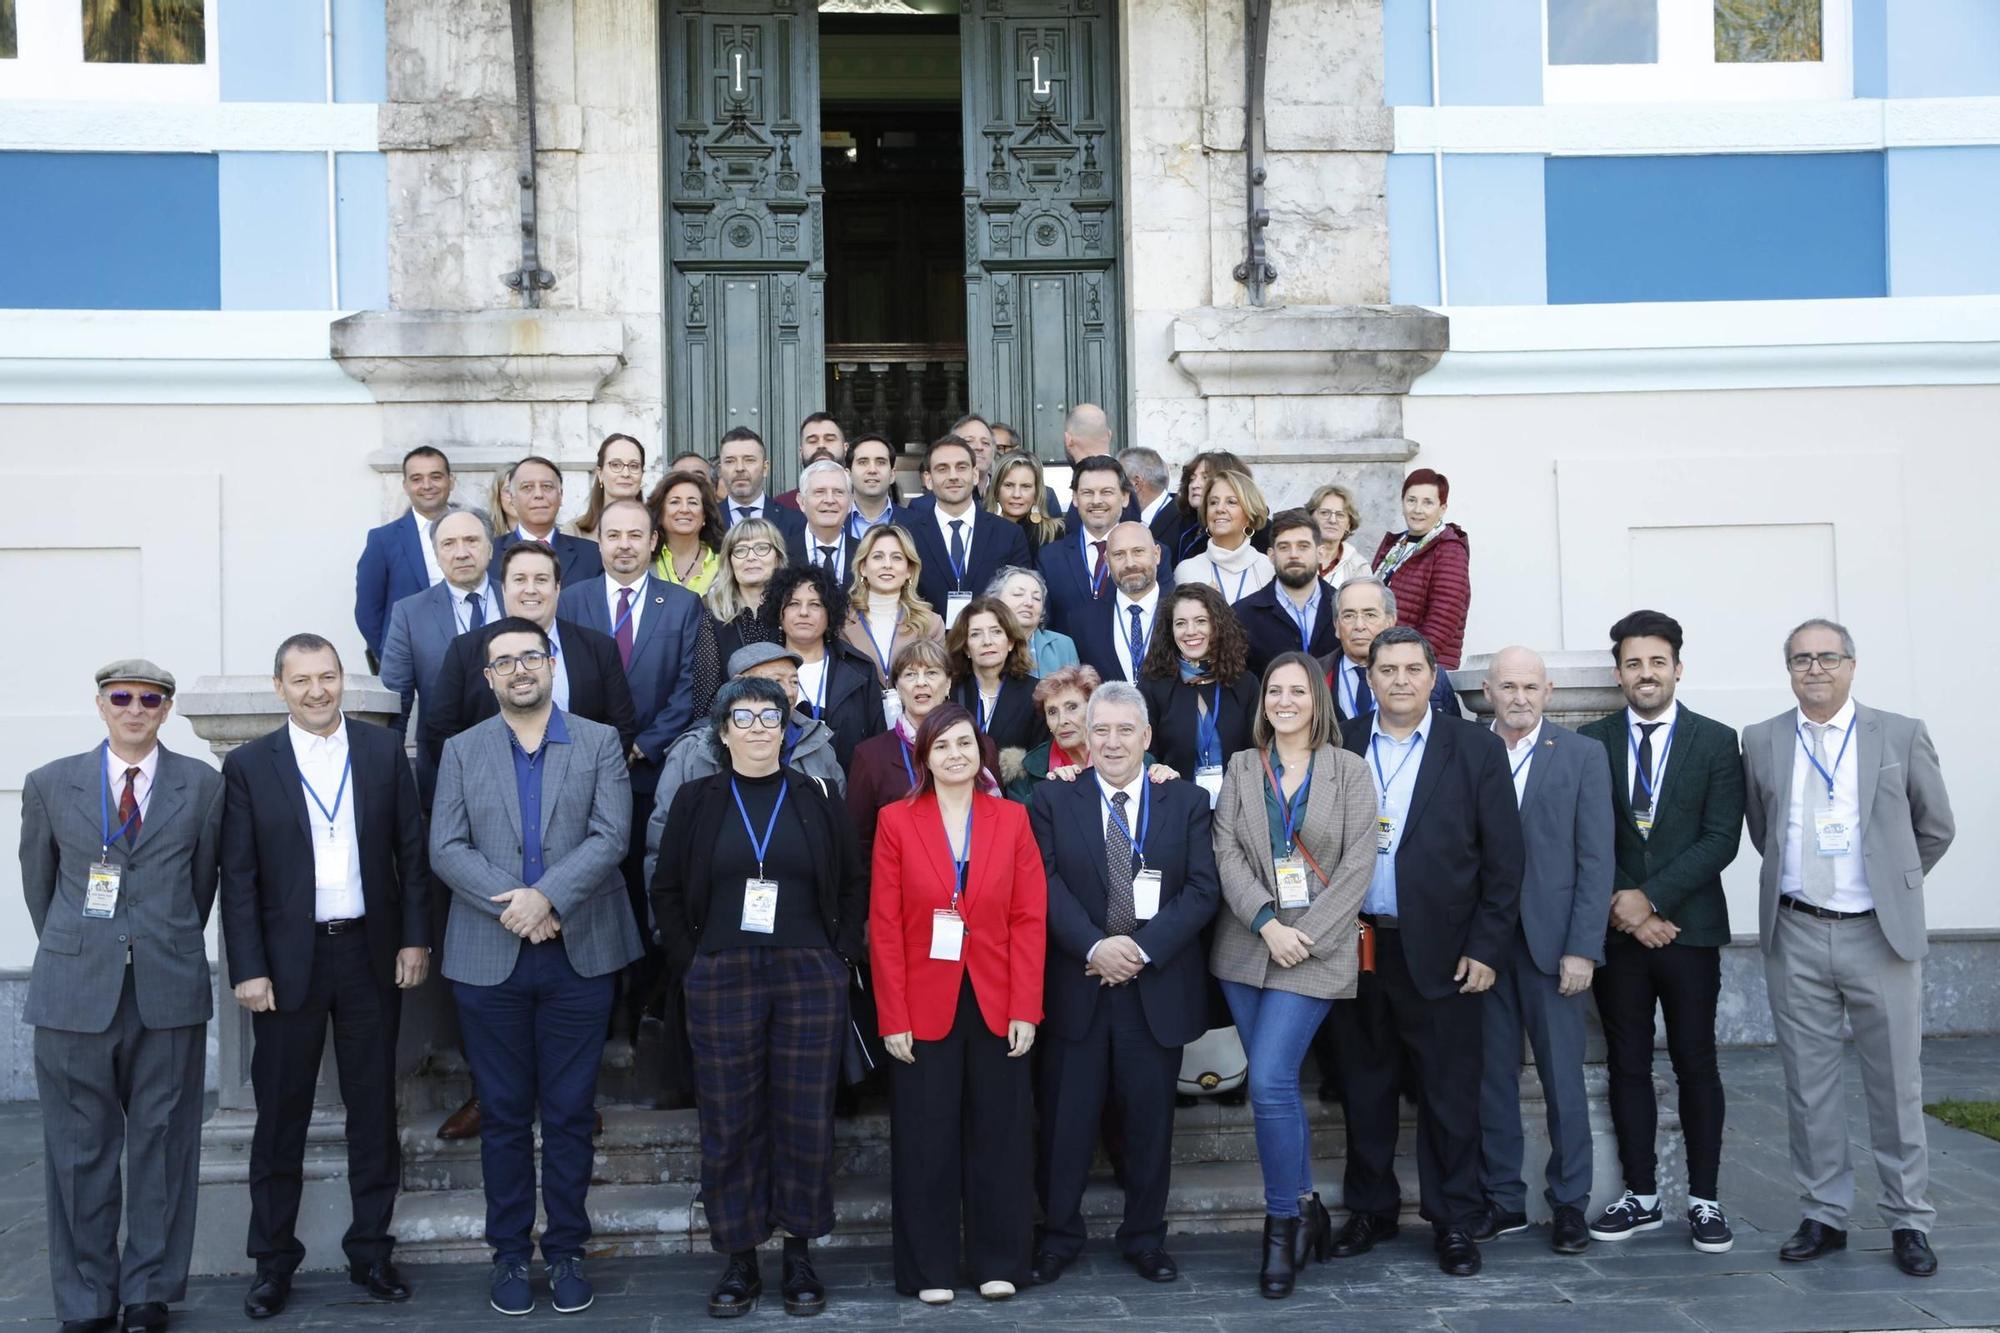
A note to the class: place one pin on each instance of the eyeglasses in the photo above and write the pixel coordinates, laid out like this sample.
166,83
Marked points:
528,661
149,700
623,465
744,718
1369,617
1800,663
761,550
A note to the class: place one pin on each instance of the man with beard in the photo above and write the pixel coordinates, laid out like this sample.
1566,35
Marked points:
1112,634
1293,612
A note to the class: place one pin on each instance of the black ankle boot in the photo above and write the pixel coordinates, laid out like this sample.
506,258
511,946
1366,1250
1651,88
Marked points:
1274,1280
1315,1235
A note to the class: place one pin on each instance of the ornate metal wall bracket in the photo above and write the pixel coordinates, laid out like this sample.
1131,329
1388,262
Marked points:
1256,271
531,279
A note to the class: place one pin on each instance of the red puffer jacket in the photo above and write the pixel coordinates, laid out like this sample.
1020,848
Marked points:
1434,591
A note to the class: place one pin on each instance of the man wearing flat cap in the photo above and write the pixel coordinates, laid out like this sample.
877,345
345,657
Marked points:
119,850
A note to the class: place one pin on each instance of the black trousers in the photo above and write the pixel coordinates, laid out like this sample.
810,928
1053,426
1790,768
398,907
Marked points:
1386,1024
1120,1054
284,1072
1683,981
961,1156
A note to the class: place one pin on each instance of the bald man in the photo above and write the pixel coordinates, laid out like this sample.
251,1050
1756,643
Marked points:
1087,434
1562,784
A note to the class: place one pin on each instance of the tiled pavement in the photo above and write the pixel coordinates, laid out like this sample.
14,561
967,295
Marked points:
1654,1282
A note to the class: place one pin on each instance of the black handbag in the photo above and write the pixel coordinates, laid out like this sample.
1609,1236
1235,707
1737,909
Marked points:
861,1050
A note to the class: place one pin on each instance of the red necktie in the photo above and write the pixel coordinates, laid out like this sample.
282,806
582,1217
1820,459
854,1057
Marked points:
1097,573
128,806
623,627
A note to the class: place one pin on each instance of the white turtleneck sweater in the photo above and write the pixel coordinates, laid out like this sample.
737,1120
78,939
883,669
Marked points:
1236,573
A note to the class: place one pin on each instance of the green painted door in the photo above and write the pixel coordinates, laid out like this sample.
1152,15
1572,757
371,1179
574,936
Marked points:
1043,310
746,276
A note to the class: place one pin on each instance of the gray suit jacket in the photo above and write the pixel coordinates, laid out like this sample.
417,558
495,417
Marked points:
1567,823
1906,822
421,628
476,848
163,902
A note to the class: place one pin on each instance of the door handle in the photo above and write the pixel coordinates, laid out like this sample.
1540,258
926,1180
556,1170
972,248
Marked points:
1037,82
737,56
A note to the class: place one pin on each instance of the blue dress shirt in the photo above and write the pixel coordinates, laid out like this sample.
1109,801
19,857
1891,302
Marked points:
1394,765
528,791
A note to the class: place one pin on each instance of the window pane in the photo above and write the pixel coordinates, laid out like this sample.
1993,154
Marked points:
143,32
8,42
1764,31
1604,32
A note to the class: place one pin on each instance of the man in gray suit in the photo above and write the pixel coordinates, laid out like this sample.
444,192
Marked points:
119,856
422,625
532,818
1847,840
1562,784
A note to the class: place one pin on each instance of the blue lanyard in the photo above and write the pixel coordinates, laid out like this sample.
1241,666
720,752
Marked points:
1292,809
104,802
1241,579
1813,759
1646,780
630,607
1304,617
1207,731
957,569
339,794
1103,570
1138,844
1523,764
875,644
963,860
979,702
759,845
825,673
909,769
1375,755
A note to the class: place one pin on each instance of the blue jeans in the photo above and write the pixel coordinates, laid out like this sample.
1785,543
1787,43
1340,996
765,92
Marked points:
1277,1028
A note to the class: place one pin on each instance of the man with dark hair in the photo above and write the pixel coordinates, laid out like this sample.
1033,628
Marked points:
324,919
820,436
1006,440
1077,568
871,467
398,560
1294,611
692,460
744,466
1677,791
537,490
959,546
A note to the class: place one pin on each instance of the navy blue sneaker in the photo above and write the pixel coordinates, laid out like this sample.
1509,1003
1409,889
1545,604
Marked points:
569,1290
511,1293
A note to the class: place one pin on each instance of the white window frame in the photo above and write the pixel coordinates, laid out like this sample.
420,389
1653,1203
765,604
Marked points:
50,66
1687,70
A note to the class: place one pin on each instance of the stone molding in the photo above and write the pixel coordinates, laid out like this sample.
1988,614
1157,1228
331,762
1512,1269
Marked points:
480,356
1306,350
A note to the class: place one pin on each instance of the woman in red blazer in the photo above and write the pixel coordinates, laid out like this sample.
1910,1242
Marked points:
956,933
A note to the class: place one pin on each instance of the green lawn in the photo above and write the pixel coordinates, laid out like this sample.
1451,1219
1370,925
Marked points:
1979,1117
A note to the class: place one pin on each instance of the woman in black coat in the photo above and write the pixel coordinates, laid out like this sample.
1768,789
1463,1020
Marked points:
1198,688
804,609
993,675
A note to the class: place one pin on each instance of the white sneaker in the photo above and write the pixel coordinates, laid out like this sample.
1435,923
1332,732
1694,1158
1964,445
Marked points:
995,1291
935,1295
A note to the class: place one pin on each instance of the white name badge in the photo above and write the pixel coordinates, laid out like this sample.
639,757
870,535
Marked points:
954,605
1833,836
947,935
1385,835
100,890
1209,779
1293,890
892,708
1146,895
760,905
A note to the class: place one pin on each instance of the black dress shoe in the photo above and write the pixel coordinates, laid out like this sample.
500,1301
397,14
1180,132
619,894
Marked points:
104,1323
1571,1234
146,1315
1361,1234
805,1294
1810,1241
741,1285
382,1279
266,1297
1045,1268
1913,1252
1275,1278
1157,1266
1492,1223
1457,1254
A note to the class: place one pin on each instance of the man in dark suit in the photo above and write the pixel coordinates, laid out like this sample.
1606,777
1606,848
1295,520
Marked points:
1442,907
422,625
961,548
1563,787
589,680
1078,567
1112,634
1132,884
119,848
398,560
820,436
537,490
1677,794
326,915
1294,611
828,540
1152,495
745,468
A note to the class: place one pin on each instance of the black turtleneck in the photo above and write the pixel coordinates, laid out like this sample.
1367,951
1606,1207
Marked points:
787,859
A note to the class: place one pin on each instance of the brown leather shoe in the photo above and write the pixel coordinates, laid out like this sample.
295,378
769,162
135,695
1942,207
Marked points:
462,1123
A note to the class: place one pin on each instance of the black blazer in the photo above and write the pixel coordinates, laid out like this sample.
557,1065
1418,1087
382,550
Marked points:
853,701
1016,723
1071,597
267,859
579,558
1271,629
683,882
799,550
787,520
598,691
996,543
1458,868
1096,631
1067,818
1176,722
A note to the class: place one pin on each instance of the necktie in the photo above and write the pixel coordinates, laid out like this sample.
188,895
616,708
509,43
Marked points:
826,558
1364,698
623,627
477,606
1135,641
1815,871
1097,569
743,512
1642,775
128,805
957,548
1119,916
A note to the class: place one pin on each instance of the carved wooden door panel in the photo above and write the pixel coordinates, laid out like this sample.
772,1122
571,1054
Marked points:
745,266
1044,317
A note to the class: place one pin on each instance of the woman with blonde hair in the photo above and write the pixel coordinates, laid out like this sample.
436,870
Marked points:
752,552
1019,492
884,612
1333,511
1233,510
500,515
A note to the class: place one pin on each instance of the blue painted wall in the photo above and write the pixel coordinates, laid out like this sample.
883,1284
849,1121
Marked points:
273,51
361,189
274,241
1413,269
1406,52
360,51
1495,253
109,231
1489,52
1943,203
1871,48
1942,48
1719,228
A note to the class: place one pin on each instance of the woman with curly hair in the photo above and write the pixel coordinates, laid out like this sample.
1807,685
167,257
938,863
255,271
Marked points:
802,609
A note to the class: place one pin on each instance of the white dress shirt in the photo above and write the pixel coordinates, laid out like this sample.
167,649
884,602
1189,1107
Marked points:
1521,758
526,536
1850,872
758,507
944,522
142,786
424,526
1349,678
323,762
461,608
1121,626
612,587
559,683
1151,509
838,567
1634,737
1134,794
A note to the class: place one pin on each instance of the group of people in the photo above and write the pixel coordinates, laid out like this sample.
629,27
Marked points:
1010,799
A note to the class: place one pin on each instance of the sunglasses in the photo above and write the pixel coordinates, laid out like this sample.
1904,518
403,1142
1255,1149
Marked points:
148,700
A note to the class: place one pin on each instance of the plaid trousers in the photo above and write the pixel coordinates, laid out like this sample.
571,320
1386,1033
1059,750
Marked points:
766,1026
